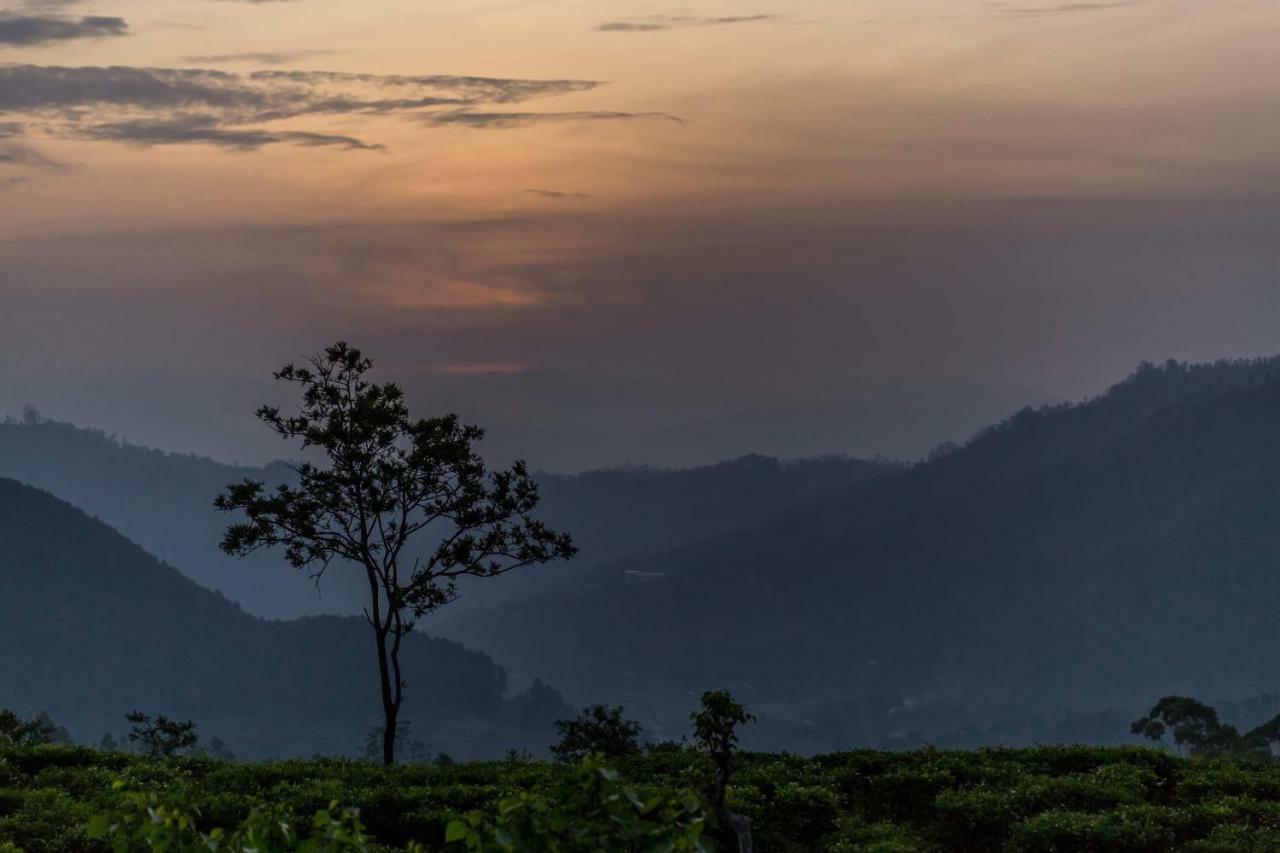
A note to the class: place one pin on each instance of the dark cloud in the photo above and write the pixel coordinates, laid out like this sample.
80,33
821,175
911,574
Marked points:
260,95
654,23
10,128
31,30
15,154
1061,9
205,129
502,121
269,57
156,106
46,5
556,194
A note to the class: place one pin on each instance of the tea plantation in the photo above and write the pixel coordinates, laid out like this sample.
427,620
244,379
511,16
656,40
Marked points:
1043,799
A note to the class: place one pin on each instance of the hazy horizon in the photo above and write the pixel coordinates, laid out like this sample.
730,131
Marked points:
621,232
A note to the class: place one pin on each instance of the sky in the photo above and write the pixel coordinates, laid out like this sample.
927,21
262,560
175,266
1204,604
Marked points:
617,231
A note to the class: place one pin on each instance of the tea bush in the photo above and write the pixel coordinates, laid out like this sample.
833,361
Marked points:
1015,801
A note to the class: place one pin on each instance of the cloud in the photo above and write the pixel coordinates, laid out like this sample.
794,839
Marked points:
503,121
32,30
556,194
157,106
11,183
16,154
10,128
268,57
260,95
46,5
1062,9
204,129
655,23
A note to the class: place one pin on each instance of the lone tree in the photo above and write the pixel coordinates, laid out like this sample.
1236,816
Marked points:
389,483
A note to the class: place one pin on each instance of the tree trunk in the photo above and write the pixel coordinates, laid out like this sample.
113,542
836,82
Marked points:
741,826
390,704
389,736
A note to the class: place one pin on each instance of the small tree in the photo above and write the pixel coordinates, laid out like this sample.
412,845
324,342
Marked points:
161,736
598,730
715,728
389,481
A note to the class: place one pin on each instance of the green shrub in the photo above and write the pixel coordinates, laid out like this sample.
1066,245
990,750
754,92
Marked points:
595,813
855,837
1141,830
142,821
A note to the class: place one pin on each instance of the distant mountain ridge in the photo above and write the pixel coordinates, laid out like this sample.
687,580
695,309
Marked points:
1078,557
164,501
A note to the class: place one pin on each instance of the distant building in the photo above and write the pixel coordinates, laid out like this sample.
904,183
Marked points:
637,576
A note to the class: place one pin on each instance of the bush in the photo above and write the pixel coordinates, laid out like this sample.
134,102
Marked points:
598,730
1049,798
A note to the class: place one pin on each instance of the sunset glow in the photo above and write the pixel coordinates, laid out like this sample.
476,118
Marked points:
731,207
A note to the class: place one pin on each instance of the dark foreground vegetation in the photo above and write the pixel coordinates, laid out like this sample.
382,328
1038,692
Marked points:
1050,798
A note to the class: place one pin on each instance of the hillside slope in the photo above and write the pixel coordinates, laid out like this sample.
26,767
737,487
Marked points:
91,627
1074,558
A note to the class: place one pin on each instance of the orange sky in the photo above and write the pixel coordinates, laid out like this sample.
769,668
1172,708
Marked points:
706,162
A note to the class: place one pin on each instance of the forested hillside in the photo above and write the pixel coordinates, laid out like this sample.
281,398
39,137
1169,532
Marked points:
92,627
1072,559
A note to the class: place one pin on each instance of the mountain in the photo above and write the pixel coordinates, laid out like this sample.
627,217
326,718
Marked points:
1072,558
92,627
164,502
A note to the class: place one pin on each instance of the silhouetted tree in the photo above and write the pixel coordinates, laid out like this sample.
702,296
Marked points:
159,735
598,730
388,478
715,728
1197,729
37,731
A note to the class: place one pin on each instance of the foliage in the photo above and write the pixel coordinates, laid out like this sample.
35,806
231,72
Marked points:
715,726
598,730
389,481
596,812
40,729
142,821
715,729
161,735
1042,799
